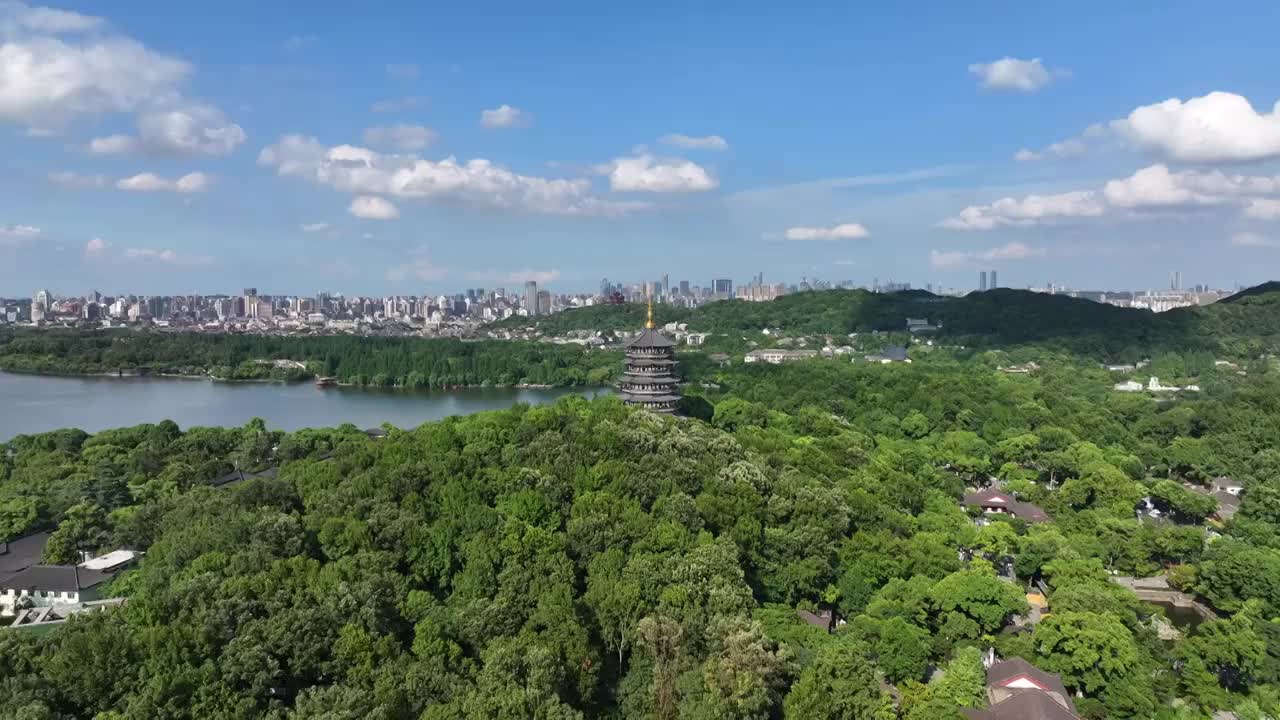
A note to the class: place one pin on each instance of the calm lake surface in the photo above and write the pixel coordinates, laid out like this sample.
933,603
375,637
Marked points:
35,403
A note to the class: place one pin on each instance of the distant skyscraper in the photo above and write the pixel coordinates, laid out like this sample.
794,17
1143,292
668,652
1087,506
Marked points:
666,285
723,286
684,287
982,281
251,292
531,297
994,283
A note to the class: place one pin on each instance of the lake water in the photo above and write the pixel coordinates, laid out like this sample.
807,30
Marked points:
35,403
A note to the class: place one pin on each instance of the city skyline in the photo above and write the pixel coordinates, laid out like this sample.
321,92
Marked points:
186,150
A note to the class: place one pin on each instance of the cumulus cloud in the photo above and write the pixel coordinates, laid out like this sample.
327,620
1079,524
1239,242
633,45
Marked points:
1218,127
1263,209
314,227
190,130
707,142
18,234
95,248
843,231
1065,149
1010,251
645,173
150,182
1150,189
1013,74
479,183
113,145
405,138
371,207
1030,210
16,16
51,74
505,116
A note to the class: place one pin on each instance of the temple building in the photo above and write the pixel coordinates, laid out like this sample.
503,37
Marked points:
650,379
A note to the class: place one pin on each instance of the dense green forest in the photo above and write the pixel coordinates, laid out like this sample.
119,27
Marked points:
372,361
1241,326
585,560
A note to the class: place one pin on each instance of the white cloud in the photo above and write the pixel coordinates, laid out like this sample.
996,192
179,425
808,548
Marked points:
505,116
478,182
48,78
18,234
1156,187
844,231
190,129
644,173
95,248
150,182
1248,239
371,207
1013,74
401,137
709,142
1218,127
1263,209
314,227
398,104
1065,149
16,16
403,71
1031,210
113,145
1009,251
76,181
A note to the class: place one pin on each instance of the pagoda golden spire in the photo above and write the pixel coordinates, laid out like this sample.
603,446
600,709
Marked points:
648,323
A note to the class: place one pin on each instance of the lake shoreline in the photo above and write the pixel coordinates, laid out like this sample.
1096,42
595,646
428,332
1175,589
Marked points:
37,403
134,375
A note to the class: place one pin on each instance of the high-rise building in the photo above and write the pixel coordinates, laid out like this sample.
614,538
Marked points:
531,297
544,302
684,287
666,286
994,283
982,281
722,286
250,292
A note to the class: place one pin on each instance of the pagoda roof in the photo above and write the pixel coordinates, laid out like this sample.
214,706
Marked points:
650,338
644,399
643,379
646,361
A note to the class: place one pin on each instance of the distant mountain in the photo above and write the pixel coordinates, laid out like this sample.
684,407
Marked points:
1246,323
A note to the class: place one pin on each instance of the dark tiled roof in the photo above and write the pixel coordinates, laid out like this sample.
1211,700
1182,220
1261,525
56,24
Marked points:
56,578
1026,705
22,553
995,497
650,338
896,353
1006,670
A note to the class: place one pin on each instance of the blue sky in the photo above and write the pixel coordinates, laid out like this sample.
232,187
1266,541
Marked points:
407,147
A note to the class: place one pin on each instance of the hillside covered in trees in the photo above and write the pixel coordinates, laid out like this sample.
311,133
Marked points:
585,560
373,361
1240,326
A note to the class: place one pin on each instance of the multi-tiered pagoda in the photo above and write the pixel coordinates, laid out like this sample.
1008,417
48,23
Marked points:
650,379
